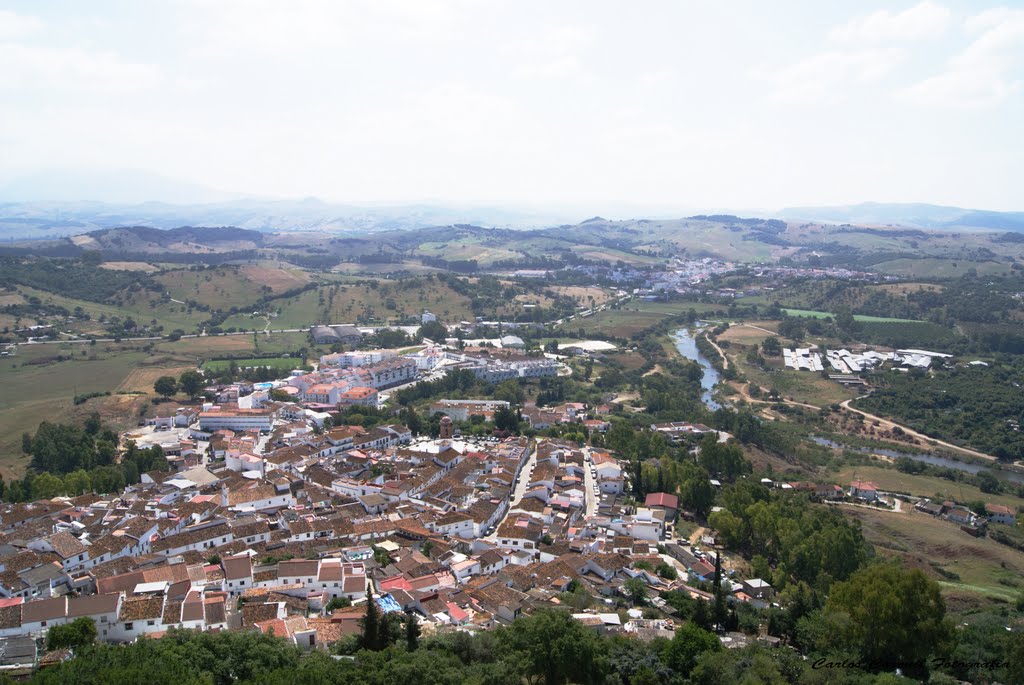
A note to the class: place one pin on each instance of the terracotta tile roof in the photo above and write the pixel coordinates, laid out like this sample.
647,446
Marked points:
257,613
172,612
237,568
66,545
10,616
91,605
141,608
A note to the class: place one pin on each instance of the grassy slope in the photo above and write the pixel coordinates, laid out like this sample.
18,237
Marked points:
922,540
34,393
922,485
142,306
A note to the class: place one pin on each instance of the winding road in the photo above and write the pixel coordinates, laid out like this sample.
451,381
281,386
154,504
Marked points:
889,424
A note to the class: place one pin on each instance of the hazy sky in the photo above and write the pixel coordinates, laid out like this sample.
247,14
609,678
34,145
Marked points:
700,104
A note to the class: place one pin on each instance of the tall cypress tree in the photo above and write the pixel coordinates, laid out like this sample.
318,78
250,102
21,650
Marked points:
719,595
371,622
412,631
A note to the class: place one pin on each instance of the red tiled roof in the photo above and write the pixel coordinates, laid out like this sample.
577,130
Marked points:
662,499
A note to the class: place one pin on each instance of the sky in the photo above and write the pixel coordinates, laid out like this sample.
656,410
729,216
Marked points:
521,103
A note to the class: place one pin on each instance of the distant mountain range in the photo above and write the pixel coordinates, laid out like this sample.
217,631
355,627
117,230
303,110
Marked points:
46,220
44,207
910,214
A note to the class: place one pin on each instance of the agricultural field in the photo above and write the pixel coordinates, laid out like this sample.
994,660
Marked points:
679,307
620,323
906,333
380,301
44,390
800,386
224,287
608,254
811,314
38,387
581,294
409,267
145,267
467,248
144,307
940,268
283,364
247,345
749,333
986,569
141,378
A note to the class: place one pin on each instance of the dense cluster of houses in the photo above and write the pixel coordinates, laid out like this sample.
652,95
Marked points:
428,527
267,529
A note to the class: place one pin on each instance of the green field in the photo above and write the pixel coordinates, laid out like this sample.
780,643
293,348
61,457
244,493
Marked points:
620,323
811,314
143,307
940,268
280,363
678,307
44,391
243,346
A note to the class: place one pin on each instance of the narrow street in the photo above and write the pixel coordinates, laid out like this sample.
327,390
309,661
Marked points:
520,488
589,481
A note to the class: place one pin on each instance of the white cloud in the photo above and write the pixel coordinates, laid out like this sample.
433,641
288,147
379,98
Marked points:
827,76
924,20
14,25
554,53
30,66
987,72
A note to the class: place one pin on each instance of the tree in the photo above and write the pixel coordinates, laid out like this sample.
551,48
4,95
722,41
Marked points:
556,648
696,492
371,622
78,633
412,631
337,603
509,391
771,346
278,395
506,419
892,616
719,594
636,589
688,644
191,382
46,486
166,386
433,330
77,483
666,571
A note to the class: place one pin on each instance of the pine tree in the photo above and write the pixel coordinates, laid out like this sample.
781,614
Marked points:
371,622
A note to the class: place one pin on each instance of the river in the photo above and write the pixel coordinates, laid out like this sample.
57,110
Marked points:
933,459
687,346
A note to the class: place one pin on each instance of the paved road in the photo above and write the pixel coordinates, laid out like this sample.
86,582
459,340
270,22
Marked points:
588,485
520,489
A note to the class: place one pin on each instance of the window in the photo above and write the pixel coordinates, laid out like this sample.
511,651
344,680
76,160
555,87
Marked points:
129,626
151,623
43,624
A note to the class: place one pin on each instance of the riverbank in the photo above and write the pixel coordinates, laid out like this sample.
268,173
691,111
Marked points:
686,344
